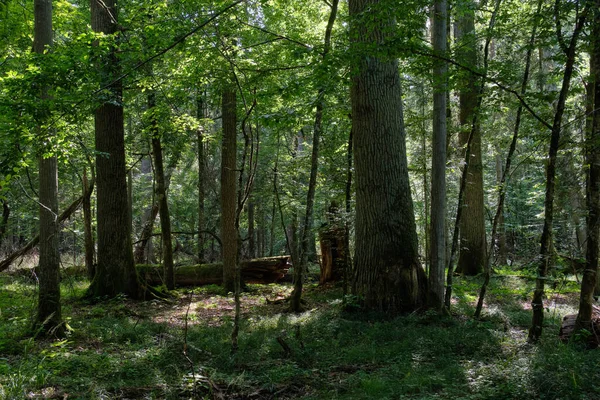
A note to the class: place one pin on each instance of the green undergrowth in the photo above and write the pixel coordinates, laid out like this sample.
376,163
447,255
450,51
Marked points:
181,349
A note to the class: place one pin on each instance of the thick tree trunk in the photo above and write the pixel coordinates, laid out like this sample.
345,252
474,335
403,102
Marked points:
388,274
438,168
115,273
537,303
87,227
589,280
48,319
229,234
472,224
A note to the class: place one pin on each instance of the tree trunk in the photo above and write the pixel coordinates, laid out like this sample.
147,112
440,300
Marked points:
388,274
251,231
161,197
500,240
48,319
87,228
200,114
4,220
472,224
307,226
589,280
537,303
115,273
438,168
229,234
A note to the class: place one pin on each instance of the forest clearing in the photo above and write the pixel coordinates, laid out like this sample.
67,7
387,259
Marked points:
123,349
280,199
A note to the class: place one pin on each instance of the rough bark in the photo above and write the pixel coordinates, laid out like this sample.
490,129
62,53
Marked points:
435,298
49,318
589,279
388,274
87,227
229,234
537,303
472,252
115,272
334,249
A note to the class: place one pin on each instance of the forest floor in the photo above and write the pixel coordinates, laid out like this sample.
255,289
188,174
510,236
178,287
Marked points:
181,348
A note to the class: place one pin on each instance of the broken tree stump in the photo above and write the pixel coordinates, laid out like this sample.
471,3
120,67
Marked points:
258,270
334,251
569,326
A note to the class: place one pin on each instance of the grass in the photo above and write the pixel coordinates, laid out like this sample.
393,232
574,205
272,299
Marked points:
123,349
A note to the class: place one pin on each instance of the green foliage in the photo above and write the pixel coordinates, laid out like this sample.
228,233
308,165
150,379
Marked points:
122,347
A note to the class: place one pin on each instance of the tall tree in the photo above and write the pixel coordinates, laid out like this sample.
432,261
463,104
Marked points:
438,168
229,234
115,271
472,224
569,50
200,115
307,226
388,273
161,195
589,280
49,317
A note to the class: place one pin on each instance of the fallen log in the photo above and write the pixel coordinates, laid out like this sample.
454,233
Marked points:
258,270
569,327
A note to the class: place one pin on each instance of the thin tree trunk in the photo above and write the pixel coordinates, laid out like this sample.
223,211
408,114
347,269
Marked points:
49,318
200,114
589,279
388,274
229,235
511,151
500,241
435,298
4,220
537,303
161,197
115,272
87,228
307,227
251,231
272,229
467,165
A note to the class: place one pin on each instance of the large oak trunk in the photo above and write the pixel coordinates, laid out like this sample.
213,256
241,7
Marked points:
115,272
473,243
388,275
